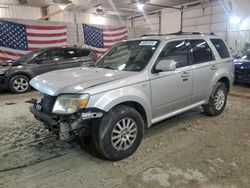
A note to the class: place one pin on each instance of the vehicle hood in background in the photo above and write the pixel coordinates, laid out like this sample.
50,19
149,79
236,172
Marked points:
74,80
10,64
241,64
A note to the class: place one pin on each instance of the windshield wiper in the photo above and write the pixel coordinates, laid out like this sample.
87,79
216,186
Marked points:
109,67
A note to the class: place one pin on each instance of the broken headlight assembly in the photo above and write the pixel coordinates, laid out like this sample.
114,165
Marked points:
69,104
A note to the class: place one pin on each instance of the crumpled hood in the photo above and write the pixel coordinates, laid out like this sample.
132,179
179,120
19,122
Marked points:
74,80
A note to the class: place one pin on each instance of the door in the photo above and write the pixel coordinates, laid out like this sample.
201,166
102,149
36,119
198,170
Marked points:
172,90
204,65
42,64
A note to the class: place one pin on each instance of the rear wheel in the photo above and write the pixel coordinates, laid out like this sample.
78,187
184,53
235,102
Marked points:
19,84
119,133
217,101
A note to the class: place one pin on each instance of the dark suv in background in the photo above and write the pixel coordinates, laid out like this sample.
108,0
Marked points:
15,76
242,68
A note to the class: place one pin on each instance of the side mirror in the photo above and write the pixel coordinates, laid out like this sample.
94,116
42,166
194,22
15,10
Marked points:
165,65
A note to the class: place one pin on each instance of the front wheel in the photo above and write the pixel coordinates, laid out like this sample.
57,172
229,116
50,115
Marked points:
119,133
19,84
217,100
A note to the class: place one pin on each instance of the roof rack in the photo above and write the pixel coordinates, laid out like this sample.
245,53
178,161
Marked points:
179,33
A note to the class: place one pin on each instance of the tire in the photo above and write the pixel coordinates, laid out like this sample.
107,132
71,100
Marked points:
19,84
109,138
217,100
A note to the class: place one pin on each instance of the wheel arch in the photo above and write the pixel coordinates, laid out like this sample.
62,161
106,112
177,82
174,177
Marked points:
226,81
221,76
138,107
130,97
19,73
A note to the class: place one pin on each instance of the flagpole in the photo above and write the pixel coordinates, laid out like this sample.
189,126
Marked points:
76,24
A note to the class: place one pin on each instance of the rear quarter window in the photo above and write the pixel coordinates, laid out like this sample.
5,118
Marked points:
221,48
85,52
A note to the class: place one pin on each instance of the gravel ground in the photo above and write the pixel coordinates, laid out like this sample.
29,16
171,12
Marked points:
189,150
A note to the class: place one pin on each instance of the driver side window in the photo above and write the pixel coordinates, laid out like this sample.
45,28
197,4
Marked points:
41,58
56,54
177,51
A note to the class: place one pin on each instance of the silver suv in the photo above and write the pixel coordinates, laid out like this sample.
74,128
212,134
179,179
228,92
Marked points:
135,84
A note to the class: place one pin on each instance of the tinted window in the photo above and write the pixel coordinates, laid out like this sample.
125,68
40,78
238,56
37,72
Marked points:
40,58
246,56
56,54
201,52
29,56
176,51
92,53
221,48
71,53
84,53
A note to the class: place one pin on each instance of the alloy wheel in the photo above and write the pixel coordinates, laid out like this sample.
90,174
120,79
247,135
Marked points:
20,84
219,100
124,134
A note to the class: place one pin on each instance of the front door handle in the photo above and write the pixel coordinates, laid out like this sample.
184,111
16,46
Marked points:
213,67
185,75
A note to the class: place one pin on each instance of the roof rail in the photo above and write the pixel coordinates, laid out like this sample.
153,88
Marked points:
179,33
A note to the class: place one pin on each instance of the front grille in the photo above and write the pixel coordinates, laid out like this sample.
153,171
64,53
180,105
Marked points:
47,103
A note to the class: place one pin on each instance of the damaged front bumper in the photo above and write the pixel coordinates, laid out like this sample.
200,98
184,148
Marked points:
67,126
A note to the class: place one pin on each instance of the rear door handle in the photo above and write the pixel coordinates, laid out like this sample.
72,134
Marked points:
213,67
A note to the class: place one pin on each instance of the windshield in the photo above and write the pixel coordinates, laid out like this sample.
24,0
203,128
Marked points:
129,55
29,56
246,56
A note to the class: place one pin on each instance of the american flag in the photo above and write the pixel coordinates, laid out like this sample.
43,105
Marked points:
18,39
101,39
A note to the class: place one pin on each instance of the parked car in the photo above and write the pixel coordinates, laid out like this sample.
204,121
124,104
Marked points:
16,75
242,69
137,83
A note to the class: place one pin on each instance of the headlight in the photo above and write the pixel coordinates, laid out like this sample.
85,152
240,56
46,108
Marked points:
2,71
69,104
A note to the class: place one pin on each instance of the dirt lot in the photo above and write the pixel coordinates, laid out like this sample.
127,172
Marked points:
189,150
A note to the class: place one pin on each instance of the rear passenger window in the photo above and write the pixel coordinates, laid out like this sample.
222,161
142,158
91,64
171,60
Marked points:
201,52
85,52
71,54
221,48
176,51
56,54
